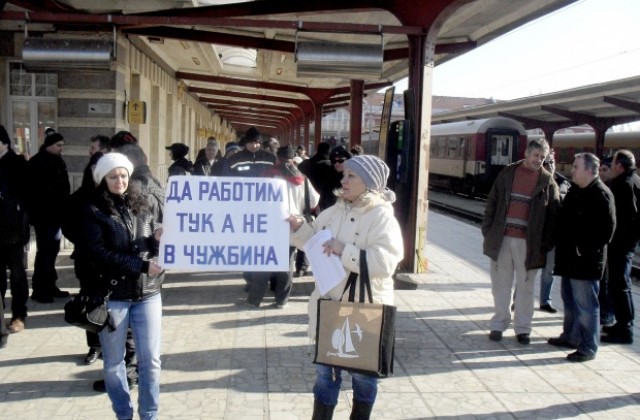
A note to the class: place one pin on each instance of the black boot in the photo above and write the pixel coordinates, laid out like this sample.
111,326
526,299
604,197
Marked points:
360,411
321,411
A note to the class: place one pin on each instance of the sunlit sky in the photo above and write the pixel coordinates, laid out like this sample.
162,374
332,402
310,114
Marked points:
588,42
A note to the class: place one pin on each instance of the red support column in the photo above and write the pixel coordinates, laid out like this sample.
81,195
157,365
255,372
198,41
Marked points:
318,128
307,127
600,132
412,204
357,93
296,133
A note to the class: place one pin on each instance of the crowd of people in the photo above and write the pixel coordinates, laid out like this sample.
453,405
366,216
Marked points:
537,224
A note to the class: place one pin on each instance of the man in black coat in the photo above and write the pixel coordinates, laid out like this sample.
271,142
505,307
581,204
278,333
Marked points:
586,222
625,186
47,189
204,164
251,160
14,231
181,165
324,178
221,166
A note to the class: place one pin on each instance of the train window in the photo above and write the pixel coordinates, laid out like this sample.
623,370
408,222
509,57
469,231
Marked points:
461,147
452,148
501,149
441,147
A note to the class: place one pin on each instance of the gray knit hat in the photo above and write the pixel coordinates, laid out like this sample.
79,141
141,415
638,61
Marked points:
374,173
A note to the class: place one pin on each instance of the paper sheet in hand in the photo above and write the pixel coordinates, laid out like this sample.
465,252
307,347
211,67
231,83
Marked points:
327,270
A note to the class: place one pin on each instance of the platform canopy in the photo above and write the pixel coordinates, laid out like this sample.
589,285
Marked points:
603,104
236,55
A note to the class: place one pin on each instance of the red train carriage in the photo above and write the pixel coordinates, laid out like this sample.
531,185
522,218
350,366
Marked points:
466,156
567,145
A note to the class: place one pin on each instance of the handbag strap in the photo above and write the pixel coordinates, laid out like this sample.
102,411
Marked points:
307,201
365,281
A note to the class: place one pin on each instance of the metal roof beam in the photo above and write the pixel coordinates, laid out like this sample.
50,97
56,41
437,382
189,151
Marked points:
139,20
335,106
531,123
256,122
317,95
265,128
255,114
622,103
211,37
256,110
578,118
271,44
238,117
292,110
304,104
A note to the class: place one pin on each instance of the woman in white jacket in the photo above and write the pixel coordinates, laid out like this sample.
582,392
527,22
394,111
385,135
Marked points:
362,219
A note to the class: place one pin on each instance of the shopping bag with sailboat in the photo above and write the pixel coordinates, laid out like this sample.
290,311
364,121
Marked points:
357,336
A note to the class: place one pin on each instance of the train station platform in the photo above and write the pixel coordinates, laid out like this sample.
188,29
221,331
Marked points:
222,361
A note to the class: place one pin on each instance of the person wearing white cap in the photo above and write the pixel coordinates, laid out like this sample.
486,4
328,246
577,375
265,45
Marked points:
361,220
123,237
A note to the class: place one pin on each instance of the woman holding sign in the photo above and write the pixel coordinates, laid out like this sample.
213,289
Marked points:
122,238
362,219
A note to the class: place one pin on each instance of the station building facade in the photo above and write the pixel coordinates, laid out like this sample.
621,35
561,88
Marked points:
80,103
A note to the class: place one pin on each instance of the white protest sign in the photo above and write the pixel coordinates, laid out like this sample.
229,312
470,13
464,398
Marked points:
225,224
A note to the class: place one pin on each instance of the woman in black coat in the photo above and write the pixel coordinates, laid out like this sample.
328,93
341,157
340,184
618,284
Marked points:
123,238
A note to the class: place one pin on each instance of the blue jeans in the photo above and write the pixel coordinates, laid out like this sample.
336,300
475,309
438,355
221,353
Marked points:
607,314
328,381
145,319
546,279
581,324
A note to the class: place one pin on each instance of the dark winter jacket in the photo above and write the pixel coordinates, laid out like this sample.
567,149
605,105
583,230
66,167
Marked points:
246,163
181,166
78,200
626,192
324,178
220,167
202,166
143,180
47,189
14,226
121,245
585,226
563,184
542,214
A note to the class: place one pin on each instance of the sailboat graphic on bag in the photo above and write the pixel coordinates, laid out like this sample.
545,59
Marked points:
342,340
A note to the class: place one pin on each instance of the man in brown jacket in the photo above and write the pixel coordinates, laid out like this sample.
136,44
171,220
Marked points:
518,233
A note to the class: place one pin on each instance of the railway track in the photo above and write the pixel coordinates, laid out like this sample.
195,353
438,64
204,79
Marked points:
452,209
472,210
460,206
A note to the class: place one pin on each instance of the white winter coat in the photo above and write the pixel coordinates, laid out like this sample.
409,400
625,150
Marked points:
368,224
